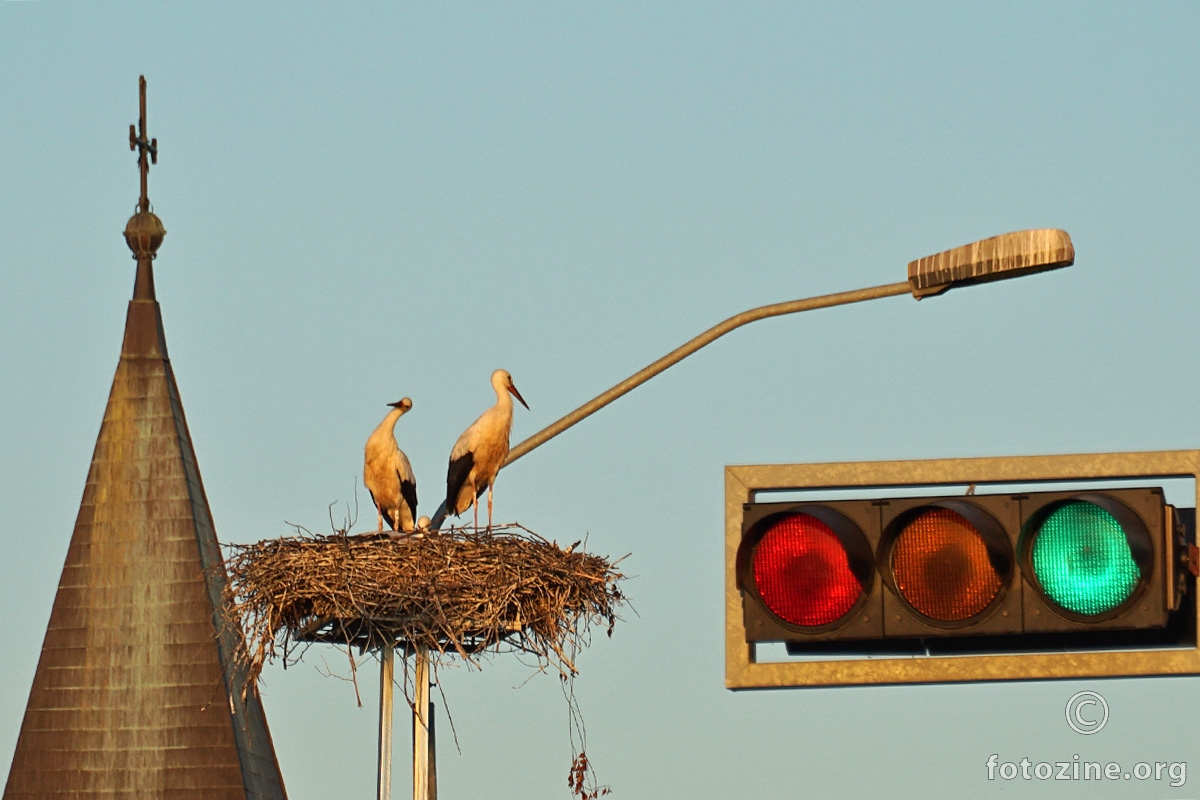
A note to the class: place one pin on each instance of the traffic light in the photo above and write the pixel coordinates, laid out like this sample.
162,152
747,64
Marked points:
905,582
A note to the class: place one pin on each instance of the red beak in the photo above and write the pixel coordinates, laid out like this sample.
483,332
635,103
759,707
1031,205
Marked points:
516,394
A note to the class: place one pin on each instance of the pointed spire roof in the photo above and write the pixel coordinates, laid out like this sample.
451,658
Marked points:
136,692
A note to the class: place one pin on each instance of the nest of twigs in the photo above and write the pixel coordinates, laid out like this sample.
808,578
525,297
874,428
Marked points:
457,592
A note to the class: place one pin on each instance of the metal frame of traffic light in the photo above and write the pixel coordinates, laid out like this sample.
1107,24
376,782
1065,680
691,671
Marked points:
743,483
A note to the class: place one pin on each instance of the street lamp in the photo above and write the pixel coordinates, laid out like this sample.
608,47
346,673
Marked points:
1009,255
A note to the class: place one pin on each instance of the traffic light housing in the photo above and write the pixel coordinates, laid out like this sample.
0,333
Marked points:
905,582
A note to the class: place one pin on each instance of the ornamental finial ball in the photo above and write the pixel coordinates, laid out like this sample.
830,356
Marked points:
144,234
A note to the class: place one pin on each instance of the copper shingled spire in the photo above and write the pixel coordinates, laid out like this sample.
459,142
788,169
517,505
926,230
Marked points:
137,693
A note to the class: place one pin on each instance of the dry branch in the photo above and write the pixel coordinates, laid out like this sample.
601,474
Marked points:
458,592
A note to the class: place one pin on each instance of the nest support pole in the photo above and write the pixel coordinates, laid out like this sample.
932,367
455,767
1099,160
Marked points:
424,769
387,672
424,765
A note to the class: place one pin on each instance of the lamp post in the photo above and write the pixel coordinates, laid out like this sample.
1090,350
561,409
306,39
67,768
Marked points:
1009,255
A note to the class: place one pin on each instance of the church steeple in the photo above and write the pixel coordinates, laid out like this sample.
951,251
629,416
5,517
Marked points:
137,693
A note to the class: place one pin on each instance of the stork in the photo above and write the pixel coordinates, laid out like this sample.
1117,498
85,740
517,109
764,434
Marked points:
480,451
387,474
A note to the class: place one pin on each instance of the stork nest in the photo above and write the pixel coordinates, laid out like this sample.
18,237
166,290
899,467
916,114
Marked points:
455,592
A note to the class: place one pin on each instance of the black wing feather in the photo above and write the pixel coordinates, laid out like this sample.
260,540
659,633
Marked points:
456,478
408,491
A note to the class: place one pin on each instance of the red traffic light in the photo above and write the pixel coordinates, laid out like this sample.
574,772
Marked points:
802,570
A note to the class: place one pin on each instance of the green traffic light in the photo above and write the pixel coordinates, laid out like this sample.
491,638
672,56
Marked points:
1082,559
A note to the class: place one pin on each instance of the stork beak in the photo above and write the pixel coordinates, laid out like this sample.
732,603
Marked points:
517,394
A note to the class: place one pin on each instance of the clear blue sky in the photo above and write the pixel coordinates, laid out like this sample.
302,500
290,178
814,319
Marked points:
378,200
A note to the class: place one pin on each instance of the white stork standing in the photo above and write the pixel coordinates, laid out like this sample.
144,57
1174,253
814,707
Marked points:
387,474
480,451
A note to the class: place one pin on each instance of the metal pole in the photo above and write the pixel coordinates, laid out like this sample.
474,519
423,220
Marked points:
421,727
387,668
432,751
682,352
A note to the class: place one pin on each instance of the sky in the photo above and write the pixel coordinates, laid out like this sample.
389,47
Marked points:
381,200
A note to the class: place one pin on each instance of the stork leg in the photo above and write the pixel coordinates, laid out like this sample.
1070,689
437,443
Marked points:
475,505
489,509
380,512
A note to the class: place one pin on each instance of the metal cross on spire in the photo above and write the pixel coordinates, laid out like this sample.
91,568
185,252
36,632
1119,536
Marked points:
137,139
144,232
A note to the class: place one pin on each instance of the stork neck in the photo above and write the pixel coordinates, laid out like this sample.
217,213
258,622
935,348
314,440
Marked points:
389,422
500,387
